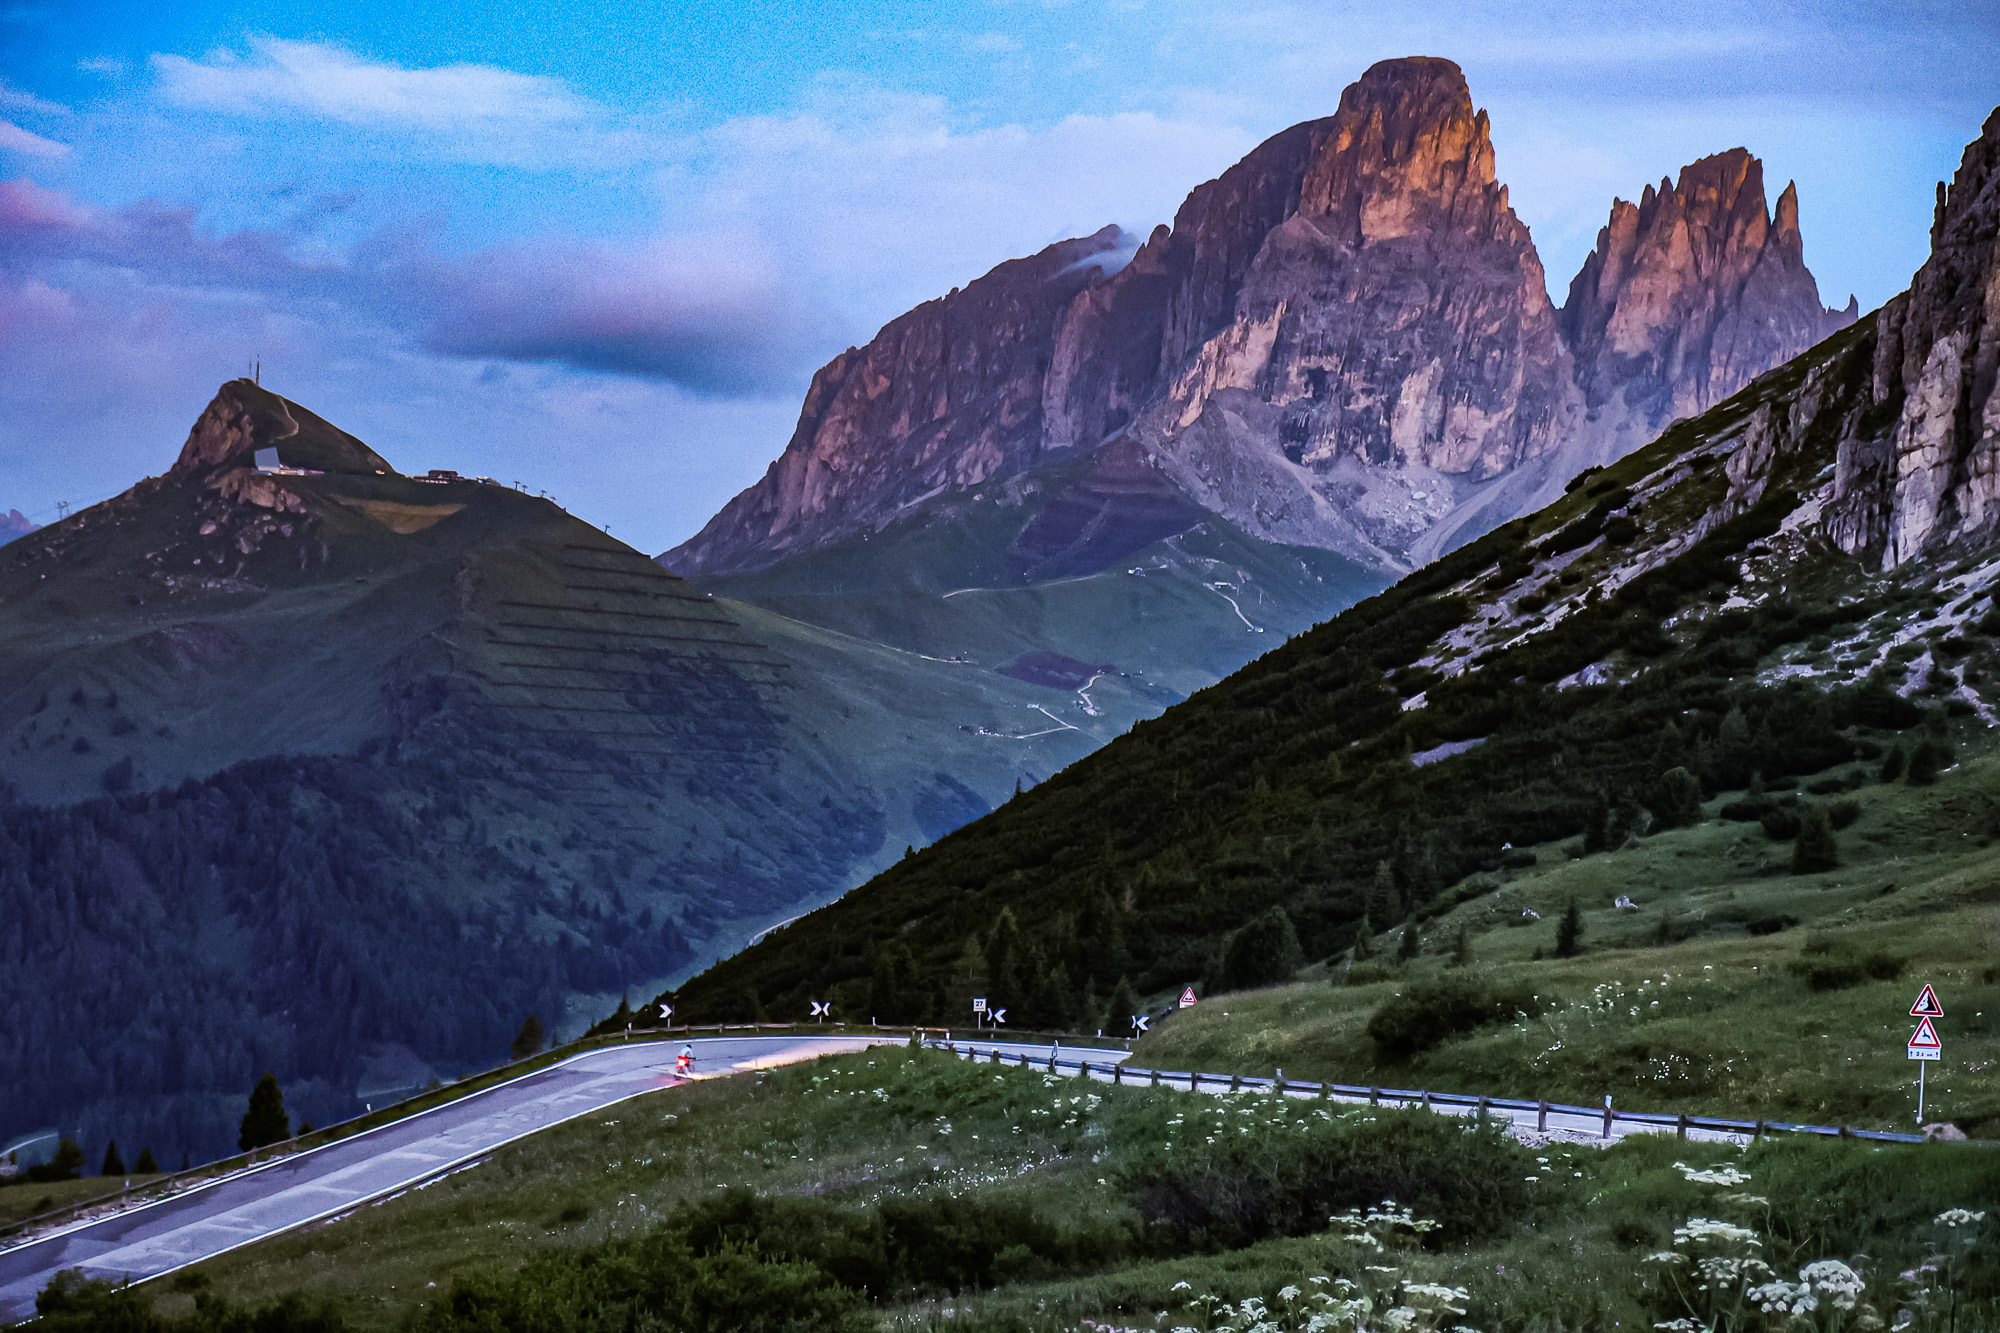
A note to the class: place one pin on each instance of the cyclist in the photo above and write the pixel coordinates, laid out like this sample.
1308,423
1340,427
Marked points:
684,1062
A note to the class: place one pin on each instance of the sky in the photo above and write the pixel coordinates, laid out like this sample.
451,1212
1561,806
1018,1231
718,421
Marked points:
599,248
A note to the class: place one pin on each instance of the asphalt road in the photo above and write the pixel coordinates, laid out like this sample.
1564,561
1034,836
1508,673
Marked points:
202,1223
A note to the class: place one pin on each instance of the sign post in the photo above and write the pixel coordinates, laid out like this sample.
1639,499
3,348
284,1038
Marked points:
821,1008
1140,1024
978,1011
1924,1044
667,1012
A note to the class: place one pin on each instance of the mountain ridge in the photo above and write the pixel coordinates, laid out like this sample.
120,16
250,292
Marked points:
1782,585
1276,287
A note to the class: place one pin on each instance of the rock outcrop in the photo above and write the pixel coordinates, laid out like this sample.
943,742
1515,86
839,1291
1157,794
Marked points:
244,417
1345,341
1922,468
944,397
14,524
1690,294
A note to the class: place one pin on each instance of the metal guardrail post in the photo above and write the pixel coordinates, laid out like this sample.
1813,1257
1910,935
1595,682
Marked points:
1426,1098
1607,1117
1481,1112
1236,1082
1757,1131
1542,1116
1681,1127
1374,1096
1156,1078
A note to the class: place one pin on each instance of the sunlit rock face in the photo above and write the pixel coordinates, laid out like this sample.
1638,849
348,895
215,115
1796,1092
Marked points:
1345,341
1691,293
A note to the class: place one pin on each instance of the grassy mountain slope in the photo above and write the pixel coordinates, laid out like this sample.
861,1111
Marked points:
1019,1201
1678,610
339,773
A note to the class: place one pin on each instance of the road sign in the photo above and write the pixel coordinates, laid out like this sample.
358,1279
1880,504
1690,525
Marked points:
1141,1023
821,1008
1927,1005
998,1015
1924,1043
666,1011
1187,998
979,1004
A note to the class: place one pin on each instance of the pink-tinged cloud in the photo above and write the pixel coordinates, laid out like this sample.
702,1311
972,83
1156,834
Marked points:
704,315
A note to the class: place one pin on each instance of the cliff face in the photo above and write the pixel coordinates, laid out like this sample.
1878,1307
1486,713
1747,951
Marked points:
1391,342
945,397
1344,341
1922,468
1690,294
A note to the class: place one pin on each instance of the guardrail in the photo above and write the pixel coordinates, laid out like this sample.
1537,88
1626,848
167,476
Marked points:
1606,1115
208,1173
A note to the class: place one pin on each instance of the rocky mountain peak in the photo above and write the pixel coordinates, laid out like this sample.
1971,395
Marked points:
1405,147
1345,341
244,417
1689,295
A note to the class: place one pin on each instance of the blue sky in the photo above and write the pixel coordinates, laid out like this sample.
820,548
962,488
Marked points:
600,248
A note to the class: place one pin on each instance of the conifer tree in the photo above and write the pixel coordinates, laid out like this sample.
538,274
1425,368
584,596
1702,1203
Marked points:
1926,762
1412,941
1892,767
1569,931
114,1165
147,1165
265,1122
1364,939
528,1041
1461,947
1382,896
1816,848
1121,1008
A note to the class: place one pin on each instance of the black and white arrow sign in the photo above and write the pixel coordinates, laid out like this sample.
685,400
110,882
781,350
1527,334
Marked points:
1140,1023
821,1008
666,1011
998,1015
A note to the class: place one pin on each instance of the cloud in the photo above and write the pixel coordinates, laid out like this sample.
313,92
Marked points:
14,139
466,112
707,314
14,99
704,314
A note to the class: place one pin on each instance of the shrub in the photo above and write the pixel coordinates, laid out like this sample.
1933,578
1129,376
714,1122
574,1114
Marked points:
1844,812
1244,1188
654,1281
1679,801
1831,964
1431,1012
1892,767
1781,823
1262,953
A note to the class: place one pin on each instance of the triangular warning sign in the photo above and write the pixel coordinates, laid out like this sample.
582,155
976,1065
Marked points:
1925,1038
1187,997
1927,1005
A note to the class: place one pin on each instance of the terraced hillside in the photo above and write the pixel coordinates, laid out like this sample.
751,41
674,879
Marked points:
341,773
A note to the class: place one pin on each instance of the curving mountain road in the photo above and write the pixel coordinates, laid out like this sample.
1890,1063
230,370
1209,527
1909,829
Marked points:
204,1222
